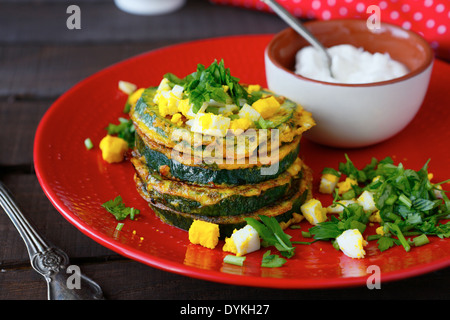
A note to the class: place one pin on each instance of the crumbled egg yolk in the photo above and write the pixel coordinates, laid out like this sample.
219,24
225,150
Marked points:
346,185
328,182
253,87
352,243
134,97
294,169
266,107
380,230
184,106
168,98
204,233
366,201
313,211
240,124
113,149
177,119
375,217
242,241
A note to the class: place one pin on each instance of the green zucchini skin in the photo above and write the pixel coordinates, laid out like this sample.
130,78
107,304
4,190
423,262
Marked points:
231,200
208,174
283,210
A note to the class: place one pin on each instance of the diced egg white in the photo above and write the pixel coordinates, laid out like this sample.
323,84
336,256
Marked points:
339,206
243,241
327,183
313,211
351,243
248,112
127,87
366,201
210,124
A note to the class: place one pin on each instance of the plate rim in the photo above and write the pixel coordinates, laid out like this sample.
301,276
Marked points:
179,268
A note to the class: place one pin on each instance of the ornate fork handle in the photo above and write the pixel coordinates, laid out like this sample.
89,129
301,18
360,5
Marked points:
48,260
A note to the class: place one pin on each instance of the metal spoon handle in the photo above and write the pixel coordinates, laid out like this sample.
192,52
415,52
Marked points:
297,26
48,260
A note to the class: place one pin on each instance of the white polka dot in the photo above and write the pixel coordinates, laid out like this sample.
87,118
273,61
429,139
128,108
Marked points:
343,11
348,1
326,15
440,8
394,15
418,16
430,23
406,25
315,5
428,3
434,44
441,29
331,3
360,7
406,7
383,5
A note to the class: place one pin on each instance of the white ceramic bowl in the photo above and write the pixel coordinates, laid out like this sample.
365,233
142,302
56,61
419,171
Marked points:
149,7
353,115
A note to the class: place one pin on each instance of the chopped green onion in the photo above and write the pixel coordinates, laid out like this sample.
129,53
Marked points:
119,226
303,242
400,236
306,234
373,237
230,259
88,143
421,240
404,199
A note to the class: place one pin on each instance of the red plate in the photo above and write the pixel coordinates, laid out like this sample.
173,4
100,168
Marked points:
78,181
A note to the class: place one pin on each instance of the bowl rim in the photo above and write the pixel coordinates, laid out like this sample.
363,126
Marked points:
428,61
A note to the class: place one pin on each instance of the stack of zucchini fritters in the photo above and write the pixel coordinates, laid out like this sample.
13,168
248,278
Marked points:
208,148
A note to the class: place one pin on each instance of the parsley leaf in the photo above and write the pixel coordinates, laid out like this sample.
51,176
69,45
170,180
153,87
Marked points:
272,260
125,130
405,198
272,234
214,82
119,210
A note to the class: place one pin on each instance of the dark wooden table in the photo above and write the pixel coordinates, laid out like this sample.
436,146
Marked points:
40,58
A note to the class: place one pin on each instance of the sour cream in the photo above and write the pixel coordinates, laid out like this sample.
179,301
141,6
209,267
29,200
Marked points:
350,65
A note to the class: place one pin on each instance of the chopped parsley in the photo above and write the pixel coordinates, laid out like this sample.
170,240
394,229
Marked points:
125,130
214,82
119,210
272,234
272,260
406,200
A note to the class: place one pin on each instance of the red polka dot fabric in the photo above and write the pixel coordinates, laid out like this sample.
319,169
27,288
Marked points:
429,18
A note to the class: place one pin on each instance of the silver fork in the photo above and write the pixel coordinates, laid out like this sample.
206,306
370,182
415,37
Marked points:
64,282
